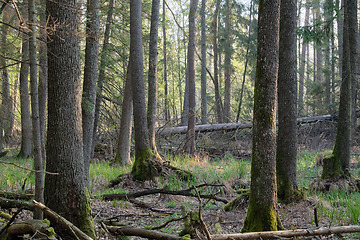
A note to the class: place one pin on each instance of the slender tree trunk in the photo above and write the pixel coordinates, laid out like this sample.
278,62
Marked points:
152,75
26,135
165,65
102,67
340,27
66,193
304,49
143,167
246,62
190,135
38,159
219,112
122,156
228,53
203,64
90,78
262,209
286,151
43,76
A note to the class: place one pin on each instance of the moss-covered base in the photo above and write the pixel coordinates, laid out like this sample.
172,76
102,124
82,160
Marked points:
287,193
85,220
261,218
239,201
146,166
340,183
331,167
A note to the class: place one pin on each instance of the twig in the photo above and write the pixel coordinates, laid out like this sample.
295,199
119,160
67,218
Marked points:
206,230
28,169
169,221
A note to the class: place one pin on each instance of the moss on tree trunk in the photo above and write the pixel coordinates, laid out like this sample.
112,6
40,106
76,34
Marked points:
144,167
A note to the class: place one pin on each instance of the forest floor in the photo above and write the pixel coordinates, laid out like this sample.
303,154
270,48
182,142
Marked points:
224,159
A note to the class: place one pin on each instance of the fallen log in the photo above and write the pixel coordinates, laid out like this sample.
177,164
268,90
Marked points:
64,222
12,203
11,195
186,192
287,233
141,232
234,126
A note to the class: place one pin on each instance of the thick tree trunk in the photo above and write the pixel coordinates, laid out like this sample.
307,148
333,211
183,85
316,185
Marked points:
26,135
262,209
90,78
66,193
152,75
38,158
286,151
101,78
338,163
203,64
190,135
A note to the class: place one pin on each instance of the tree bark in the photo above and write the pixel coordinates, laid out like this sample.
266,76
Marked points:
90,78
166,104
262,210
286,151
66,193
190,135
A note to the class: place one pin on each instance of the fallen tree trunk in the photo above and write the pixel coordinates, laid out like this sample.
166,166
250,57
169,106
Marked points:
186,192
234,126
151,234
287,233
11,203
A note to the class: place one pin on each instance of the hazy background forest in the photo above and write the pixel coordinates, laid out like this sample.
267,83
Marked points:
99,101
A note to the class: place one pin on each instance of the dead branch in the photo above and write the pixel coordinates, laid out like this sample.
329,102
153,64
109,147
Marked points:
18,196
169,221
65,223
10,221
288,233
28,169
11,203
186,192
141,232
148,206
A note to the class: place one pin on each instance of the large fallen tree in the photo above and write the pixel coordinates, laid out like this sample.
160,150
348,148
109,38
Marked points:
235,126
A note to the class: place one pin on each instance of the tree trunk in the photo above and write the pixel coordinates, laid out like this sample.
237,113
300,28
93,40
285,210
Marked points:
246,62
26,135
262,209
152,75
90,78
38,158
203,64
304,49
338,163
218,104
166,110
43,76
143,167
228,53
124,140
101,78
190,135
286,150
66,193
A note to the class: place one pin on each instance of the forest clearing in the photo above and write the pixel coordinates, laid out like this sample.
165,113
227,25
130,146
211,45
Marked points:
222,170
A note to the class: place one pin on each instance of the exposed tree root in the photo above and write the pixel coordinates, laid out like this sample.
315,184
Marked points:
335,184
